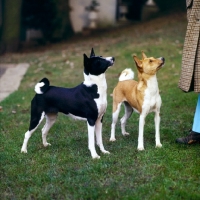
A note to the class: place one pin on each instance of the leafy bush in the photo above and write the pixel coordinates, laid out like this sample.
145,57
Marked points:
170,4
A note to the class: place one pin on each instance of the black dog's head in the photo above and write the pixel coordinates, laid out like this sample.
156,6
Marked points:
96,65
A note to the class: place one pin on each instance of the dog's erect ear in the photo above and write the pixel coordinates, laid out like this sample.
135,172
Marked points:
92,54
143,55
138,62
85,60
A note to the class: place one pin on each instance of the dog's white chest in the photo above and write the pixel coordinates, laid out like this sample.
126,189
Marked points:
100,81
102,100
152,98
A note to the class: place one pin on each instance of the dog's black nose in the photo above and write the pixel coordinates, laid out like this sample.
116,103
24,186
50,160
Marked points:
113,59
163,59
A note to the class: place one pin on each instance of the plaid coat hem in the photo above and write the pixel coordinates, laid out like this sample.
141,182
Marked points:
190,70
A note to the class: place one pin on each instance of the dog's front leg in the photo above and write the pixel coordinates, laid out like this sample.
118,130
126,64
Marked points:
91,141
98,130
157,127
141,133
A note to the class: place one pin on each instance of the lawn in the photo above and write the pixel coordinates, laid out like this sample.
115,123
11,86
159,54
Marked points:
65,170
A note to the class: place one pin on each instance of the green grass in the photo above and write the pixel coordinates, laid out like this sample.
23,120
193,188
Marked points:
66,170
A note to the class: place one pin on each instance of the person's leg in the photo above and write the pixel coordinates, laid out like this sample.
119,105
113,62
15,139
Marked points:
194,135
196,123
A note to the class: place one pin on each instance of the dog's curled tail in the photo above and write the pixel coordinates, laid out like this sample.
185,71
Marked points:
126,74
42,86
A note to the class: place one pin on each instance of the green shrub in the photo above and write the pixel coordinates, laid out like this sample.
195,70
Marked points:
170,4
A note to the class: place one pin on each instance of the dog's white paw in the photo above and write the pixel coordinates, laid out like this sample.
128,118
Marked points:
125,134
158,145
112,139
23,151
96,157
105,152
47,144
140,148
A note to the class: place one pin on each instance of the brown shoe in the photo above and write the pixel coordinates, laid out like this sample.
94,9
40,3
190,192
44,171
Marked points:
192,138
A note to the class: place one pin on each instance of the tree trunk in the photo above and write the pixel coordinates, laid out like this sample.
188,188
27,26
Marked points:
63,26
11,26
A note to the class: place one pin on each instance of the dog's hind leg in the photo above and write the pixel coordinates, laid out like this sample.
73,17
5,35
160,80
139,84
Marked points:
36,119
50,120
98,131
157,127
115,115
91,140
128,112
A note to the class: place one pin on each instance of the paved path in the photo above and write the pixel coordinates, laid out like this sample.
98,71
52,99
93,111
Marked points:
10,78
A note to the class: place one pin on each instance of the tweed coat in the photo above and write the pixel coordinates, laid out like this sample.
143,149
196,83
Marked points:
190,69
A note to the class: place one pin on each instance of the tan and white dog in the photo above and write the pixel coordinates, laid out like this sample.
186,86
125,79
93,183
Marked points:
142,97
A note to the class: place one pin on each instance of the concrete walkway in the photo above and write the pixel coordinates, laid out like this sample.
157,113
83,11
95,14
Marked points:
10,78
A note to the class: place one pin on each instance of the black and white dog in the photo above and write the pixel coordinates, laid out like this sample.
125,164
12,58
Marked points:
87,101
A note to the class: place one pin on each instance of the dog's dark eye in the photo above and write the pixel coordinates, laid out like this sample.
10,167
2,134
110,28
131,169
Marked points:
150,61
